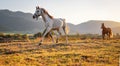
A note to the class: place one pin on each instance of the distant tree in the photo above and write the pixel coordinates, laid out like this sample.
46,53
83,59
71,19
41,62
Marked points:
2,35
8,36
17,36
25,36
77,34
117,35
39,34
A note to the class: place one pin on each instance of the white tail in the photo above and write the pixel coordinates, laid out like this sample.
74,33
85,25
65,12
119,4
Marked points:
66,30
65,27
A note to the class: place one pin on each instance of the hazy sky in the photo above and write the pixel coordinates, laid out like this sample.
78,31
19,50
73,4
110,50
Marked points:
74,11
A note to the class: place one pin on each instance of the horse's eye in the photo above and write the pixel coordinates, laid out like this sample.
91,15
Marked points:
37,11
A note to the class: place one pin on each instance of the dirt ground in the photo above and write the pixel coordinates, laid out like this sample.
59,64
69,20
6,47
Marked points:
76,53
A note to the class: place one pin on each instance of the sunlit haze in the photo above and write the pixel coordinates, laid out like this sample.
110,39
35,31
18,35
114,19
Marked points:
74,11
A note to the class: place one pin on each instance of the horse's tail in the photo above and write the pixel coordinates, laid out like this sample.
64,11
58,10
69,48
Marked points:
111,34
65,26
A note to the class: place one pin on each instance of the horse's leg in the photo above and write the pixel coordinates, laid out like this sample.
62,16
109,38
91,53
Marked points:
108,35
58,35
44,34
65,34
103,36
44,31
52,37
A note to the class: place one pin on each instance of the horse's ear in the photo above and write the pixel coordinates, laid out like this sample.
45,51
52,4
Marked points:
37,7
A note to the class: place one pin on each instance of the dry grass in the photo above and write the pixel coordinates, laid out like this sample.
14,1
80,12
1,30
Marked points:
77,53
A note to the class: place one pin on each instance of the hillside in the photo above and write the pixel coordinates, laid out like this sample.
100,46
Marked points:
94,26
116,29
20,22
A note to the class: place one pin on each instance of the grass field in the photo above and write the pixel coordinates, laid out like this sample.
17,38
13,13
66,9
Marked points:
77,53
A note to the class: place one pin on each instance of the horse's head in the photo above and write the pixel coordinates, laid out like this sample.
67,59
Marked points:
102,26
37,13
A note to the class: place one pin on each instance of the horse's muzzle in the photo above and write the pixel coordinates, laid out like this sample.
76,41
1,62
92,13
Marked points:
33,17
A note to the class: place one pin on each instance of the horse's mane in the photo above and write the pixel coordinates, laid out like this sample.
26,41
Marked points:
47,13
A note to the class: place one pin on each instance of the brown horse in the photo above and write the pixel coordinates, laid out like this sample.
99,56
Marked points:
106,31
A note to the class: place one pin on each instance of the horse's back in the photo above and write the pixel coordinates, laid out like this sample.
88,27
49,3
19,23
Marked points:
109,29
58,22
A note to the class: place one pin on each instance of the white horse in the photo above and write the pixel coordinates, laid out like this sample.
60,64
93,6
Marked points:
51,23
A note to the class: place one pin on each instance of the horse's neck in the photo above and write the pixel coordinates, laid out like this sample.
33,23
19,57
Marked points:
46,18
103,27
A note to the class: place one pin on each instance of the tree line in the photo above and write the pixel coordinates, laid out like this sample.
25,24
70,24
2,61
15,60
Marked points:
24,37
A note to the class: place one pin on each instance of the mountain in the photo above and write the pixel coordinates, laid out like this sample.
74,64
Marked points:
116,30
94,26
20,22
